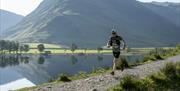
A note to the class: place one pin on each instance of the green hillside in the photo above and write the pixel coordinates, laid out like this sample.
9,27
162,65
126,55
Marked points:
88,24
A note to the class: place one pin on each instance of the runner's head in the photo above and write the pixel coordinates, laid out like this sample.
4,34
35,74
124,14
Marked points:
114,33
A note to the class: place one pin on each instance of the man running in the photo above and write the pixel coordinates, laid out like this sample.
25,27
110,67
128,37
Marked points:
115,42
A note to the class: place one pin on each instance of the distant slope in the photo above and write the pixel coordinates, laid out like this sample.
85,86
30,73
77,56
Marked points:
88,24
170,11
8,19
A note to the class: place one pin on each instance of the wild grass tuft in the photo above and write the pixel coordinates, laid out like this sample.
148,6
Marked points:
167,79
121,65
63,78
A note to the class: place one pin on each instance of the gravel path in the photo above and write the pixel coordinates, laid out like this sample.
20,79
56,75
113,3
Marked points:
105,81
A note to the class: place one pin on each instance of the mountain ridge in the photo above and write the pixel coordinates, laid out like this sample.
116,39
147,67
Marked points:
88,24
8,19
168,10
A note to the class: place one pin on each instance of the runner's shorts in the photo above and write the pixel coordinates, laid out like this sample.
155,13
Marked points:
116,54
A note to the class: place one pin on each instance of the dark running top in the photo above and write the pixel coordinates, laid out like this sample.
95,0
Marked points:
115,42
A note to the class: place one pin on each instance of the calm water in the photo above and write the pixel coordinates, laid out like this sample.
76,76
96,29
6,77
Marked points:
39,69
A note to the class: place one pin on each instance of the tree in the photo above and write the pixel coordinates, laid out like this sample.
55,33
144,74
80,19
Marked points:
99,49
26,48
16,47
128,49
73,47
85,50
21,48
65,50
10,46
41,47
2,45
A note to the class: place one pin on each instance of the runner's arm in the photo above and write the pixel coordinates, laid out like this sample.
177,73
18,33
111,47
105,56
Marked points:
109,43
124,43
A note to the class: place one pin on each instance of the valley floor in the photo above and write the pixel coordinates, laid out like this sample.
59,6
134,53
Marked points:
104,81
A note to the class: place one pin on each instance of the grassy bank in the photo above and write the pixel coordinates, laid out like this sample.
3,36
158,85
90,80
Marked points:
168,79
160,54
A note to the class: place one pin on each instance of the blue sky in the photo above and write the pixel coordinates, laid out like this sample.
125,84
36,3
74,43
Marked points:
24,7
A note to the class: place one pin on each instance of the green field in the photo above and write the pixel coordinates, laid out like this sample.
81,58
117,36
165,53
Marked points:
34,45
68,51
58,49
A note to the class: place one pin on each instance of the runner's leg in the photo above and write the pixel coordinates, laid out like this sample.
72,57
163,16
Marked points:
114,64
122,64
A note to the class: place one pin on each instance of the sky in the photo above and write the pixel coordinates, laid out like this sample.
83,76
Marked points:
24,7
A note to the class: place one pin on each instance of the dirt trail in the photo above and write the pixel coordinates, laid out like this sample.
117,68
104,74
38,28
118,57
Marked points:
105,81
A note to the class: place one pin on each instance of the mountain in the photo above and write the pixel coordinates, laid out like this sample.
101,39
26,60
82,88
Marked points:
88,24
170,11
8,19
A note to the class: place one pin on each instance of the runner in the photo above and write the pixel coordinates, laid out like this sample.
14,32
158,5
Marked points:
115,42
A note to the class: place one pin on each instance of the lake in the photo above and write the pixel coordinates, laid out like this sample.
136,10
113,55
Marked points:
37,69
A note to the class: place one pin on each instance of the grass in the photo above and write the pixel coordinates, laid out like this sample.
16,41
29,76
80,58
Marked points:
58,49
161,53
34,45
167,79
68,51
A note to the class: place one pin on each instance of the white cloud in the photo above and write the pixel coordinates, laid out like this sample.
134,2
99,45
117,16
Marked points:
22,7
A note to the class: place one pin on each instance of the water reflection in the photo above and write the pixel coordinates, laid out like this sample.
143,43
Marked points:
41,60
74,60
40,68
15,60
100,58
12,60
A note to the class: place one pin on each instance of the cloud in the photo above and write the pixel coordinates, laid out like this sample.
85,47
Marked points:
22,7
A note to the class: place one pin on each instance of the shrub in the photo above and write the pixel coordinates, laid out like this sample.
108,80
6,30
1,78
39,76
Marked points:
158,57
82,74
178,47
63,78
129,83
169,69
122,64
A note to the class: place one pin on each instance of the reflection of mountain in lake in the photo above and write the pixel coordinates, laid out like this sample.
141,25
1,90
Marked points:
40,69
11,79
